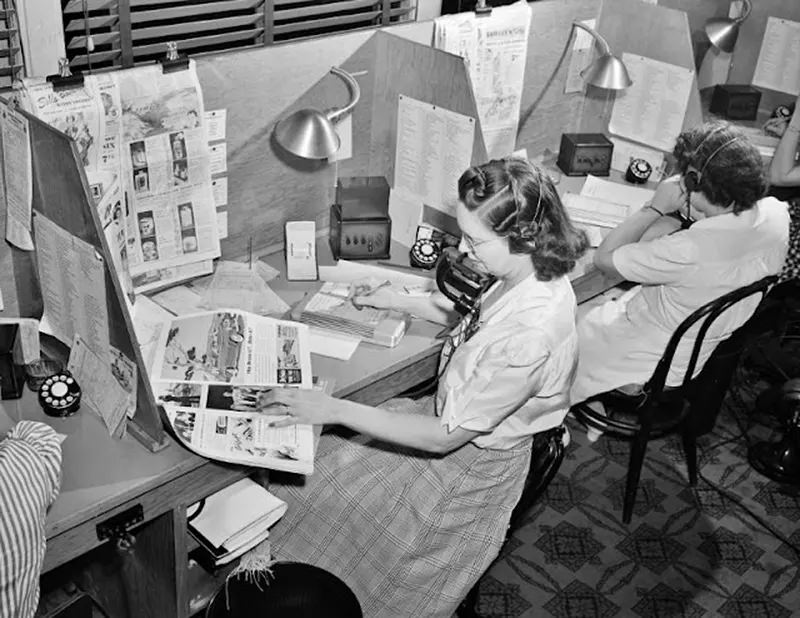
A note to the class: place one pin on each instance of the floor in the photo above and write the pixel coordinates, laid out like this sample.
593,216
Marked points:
720,549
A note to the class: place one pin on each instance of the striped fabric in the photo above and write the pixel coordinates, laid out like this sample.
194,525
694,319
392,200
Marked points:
410,533
30,476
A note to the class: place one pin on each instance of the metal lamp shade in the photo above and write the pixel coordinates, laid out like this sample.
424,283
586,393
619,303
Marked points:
309,134
608,72
723,32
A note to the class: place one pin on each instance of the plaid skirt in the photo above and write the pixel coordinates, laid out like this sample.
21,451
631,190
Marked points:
410,533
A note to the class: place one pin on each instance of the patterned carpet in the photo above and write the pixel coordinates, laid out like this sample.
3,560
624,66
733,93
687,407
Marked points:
687,551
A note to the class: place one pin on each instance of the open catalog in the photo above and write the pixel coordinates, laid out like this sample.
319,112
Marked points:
209,371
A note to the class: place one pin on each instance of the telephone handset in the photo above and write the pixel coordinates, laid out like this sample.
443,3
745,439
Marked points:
459,279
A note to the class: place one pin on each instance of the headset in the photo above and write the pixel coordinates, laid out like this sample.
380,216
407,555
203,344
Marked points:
693,177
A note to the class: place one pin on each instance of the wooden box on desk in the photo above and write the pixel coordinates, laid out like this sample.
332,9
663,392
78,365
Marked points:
735,102
585,153
360,227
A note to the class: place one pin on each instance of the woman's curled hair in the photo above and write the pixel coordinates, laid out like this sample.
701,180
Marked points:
730,166
518,201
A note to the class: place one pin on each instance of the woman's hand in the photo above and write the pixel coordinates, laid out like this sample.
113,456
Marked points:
370,295
669,196
776,127
293,406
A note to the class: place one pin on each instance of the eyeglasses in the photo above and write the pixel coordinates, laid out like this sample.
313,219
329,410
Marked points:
474,244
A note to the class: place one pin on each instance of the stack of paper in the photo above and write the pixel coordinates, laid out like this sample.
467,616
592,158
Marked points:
234,520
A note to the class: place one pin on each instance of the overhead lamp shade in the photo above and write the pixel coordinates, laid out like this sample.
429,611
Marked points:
309,134
608,72
723,32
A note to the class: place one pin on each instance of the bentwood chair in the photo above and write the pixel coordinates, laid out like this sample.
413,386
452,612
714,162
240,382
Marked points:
658,410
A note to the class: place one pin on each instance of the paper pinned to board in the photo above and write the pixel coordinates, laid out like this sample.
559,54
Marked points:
778,66
405,210
434,146
651,111
16,177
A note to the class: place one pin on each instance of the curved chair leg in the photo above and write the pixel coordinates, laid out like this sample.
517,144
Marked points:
638,448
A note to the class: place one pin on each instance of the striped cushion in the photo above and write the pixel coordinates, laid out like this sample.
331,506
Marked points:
30,475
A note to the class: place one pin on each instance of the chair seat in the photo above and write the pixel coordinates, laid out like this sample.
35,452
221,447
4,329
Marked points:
622,412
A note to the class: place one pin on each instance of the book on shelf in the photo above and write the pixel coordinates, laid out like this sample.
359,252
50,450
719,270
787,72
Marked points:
331,308
233,520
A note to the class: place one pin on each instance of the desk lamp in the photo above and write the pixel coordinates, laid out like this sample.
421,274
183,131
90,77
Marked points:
607,71
309,133
722,32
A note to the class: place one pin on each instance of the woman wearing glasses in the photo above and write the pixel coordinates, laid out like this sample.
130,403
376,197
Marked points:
739,238
413,510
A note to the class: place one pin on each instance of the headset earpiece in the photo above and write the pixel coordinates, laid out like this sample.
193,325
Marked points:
693,177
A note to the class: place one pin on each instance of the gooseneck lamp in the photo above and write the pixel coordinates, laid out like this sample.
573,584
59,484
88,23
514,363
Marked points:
310,133
607,71
722,32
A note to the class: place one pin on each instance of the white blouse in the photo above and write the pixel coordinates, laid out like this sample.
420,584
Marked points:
512,378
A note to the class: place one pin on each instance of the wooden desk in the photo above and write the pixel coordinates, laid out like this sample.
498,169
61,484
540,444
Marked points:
104,477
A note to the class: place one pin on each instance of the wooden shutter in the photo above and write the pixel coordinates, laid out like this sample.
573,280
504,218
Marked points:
11,63
127,32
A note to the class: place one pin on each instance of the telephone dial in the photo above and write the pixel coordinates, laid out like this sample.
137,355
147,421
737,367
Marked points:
458,278
424,253
60,395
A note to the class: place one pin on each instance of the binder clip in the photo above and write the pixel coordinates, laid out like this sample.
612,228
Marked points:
482,9
65,79
173,61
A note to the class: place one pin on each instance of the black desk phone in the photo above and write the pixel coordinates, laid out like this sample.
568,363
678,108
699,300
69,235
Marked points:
458,278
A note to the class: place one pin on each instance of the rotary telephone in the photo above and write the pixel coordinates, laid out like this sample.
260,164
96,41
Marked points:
458,278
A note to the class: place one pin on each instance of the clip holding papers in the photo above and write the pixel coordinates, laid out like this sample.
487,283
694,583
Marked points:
65,79
173,61
482,9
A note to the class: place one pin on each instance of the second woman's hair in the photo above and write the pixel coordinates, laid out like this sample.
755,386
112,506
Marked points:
518,201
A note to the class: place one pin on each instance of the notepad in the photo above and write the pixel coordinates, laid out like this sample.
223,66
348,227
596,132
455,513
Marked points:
594,211
234,520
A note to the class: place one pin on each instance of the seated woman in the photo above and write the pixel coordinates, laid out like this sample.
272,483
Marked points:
784,180
412,512
738,239
30,478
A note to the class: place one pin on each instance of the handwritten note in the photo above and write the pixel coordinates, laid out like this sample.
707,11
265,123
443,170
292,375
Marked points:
652,109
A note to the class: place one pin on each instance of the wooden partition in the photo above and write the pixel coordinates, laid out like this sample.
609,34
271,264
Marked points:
267,186
647,30
60,192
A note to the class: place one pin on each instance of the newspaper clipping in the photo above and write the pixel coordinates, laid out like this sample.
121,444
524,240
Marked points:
209,371
147,128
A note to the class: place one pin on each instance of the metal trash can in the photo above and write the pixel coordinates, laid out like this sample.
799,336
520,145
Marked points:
294,590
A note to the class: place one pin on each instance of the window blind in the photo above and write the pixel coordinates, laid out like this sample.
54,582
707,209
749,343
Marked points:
126,32
11,63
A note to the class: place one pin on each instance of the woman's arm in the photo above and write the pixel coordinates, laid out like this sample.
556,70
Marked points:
784,170
435,308
424,433
668,198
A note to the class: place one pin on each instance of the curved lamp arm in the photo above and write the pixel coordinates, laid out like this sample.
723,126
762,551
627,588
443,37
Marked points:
355,94
745,12
604,48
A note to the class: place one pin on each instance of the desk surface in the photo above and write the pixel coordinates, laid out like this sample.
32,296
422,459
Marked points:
101,473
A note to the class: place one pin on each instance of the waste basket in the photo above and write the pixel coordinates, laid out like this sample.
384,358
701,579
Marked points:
294,590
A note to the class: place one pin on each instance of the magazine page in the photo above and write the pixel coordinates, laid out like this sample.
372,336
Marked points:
244,438
233,347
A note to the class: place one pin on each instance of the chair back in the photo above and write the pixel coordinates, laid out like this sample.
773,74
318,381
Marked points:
705,316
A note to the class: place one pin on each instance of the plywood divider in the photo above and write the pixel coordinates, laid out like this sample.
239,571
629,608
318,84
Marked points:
61,193
660,33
